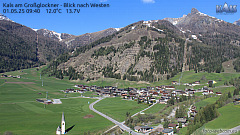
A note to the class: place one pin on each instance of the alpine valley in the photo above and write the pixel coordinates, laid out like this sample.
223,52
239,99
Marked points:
143,51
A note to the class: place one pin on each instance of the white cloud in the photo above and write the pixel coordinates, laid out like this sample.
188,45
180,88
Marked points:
148,1
103,0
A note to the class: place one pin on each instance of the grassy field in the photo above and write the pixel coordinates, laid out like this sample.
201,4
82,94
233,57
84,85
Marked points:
183,131
230,114
32,118
186,77
228,66
229,118
117,107
191,76
156,108
206,101
224,89
22,115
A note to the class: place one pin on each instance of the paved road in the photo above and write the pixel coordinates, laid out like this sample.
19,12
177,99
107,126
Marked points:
121,125
131,116
172,114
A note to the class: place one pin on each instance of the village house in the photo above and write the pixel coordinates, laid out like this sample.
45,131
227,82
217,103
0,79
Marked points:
199,90
155,94
3,75
124,95
195,83
212,81
166,94
152,100
174,82
218,93
69,91
164,100
158,88
236,101
142,129
190,92
179,92
206,92
159,130
193,111
172,125
182,120
169,87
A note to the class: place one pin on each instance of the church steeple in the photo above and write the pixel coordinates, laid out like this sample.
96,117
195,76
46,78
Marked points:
61,130
63,118
63,124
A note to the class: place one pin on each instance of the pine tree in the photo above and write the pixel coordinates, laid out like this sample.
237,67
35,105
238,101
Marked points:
174,129
229,95
180,125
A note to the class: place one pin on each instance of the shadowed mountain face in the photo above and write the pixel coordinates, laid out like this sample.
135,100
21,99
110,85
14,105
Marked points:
21,47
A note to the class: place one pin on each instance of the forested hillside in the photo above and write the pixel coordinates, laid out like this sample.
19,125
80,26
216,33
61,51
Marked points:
21,47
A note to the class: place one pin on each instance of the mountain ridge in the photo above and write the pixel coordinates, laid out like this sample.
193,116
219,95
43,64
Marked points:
158,49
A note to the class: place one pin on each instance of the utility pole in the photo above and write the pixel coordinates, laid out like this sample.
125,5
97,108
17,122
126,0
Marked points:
47,95
42,82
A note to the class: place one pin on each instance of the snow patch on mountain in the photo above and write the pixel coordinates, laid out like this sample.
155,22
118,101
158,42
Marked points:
58,35
3,17
35,30
117,29
149,24
49,33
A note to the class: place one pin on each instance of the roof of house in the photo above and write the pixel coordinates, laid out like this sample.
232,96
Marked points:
137,127
159,129
58,129
182,119
145,127
167,130
172,125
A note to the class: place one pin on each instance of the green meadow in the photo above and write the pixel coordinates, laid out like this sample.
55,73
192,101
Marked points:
155,109
206,101
117,107
32,118
22,115
229,118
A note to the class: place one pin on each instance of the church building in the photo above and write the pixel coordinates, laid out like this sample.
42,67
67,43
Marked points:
61,130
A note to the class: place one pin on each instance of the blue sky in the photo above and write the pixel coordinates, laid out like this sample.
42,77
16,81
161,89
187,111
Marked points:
119,14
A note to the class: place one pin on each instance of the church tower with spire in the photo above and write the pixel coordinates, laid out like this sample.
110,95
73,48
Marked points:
61,130
63,124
